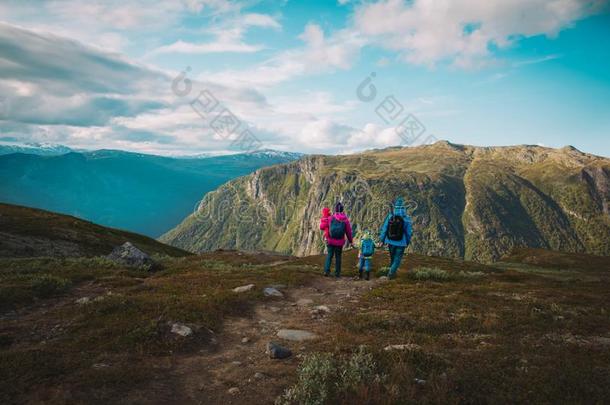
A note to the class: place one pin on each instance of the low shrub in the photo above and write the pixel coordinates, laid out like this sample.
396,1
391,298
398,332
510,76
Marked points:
429,273
45,285
436,274
382,272
323,378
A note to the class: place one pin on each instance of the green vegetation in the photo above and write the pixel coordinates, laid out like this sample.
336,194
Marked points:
125,318
467,202
324,379
514,332
523,334
436,274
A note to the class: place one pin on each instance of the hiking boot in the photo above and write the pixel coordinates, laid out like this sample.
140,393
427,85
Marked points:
360,276
368,274
391,276
326,274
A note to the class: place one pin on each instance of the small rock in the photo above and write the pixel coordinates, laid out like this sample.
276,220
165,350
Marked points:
259,376
322,308
83,300
243,288
408,346
295,335
236,363
100,365
181,329
303,302
233,391
245,340
383,278
276,351
272,292
418,381
275,309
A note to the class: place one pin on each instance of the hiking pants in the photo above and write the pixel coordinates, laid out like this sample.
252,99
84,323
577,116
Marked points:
333,251
396,253
364,263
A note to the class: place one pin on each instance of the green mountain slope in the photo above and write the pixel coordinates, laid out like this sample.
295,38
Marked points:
142,193
470,202
28,232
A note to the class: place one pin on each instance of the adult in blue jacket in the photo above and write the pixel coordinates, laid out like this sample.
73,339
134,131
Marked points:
396,239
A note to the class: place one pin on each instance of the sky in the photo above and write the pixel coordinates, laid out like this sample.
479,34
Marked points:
193,76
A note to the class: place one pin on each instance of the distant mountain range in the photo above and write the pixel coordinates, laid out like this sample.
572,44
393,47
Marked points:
42,149
469,202
137,192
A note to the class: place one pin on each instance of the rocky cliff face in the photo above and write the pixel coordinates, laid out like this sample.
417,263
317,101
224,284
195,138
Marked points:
469,202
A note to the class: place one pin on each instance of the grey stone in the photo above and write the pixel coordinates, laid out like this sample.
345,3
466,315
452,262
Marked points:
259,376
233,391
83,300
303,302
272,292
243,288
276,351
322,309
407,346
245,340
181,329
295,335
129,255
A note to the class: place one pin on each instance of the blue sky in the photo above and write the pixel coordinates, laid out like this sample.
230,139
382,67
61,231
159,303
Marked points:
99,74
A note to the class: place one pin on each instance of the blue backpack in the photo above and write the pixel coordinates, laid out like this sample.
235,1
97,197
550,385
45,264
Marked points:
367,247
337,229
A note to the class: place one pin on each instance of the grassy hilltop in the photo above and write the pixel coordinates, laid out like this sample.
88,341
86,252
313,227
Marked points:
446,331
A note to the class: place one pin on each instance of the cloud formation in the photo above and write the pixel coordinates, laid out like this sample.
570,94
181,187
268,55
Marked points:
463,32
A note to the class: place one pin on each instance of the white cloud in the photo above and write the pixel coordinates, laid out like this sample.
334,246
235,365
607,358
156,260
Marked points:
319,54
260,20
462,31
110,24
220,46
228,37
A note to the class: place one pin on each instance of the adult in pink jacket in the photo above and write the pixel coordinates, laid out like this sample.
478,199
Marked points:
338,227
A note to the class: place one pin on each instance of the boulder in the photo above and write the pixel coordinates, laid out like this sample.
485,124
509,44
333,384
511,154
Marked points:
243,288
129,255
276,351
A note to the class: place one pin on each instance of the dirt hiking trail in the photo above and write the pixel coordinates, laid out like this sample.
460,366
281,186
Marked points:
235,368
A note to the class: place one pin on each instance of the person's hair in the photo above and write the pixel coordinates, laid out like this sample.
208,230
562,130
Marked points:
338,207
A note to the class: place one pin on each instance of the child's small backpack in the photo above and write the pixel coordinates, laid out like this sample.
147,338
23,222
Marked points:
367,247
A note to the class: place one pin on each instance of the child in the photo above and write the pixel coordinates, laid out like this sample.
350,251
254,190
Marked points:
325,222
365,256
